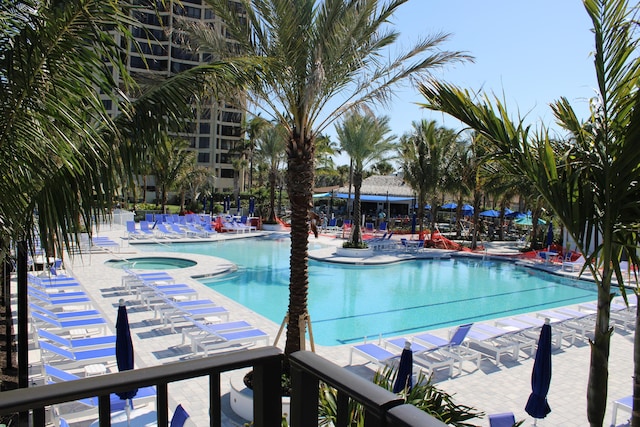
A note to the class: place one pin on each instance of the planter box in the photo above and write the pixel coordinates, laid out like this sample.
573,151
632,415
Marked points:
241,398
354,252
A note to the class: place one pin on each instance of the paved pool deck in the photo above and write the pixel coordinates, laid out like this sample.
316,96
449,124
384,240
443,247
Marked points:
490,389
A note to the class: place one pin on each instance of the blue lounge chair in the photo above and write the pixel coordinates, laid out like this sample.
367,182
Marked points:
146,229
506,419
197,313
77,343
165,232
67,325
179,417
228,340
424,357
65,315
375,354
44,299
74,358
201,330
56,375
133,232
452,347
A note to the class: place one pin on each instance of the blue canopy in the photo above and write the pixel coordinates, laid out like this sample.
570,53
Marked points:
449,206
491,213
367,197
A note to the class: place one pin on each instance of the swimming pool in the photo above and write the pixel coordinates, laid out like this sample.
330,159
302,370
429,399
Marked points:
348,303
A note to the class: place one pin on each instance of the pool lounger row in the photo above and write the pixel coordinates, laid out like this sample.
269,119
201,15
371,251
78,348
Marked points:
205,310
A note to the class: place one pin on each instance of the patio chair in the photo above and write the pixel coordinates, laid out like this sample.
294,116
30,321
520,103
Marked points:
165,232
201,331
494,345
54,375
75,358
572,266
133,232
506,419
429,359
197,313
376,354
453,346
146,229
77,343
65,315
233,340
68,325
531,328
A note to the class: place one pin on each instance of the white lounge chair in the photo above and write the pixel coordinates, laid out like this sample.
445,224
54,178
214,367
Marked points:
576,265
201,331
452,347
494,345
77,343
233,340
75,358
430,359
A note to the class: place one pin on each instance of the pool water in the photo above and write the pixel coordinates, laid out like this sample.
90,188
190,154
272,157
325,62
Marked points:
350,303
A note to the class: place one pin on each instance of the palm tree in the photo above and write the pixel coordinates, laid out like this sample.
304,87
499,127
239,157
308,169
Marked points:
60,153
429,153
270,150
168,164
253,128
592,184
310,52
364,138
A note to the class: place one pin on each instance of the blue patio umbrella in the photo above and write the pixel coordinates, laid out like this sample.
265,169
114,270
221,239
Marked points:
124,350
449,206
491,213
403,379
252,205
537,405
549,240
467,210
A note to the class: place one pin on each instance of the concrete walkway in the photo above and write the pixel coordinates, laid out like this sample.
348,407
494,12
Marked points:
491,389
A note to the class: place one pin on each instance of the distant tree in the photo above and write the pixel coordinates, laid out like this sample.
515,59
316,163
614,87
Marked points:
364,138
169,164
270,150
383,168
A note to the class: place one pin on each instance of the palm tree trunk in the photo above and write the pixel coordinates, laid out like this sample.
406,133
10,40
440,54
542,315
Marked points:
600,347
300,188
272,197
635,415
356,232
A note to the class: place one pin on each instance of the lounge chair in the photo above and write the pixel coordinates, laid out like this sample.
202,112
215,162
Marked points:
201,331
574,319
624,403
62,300
558,332
67,325
146,229
427,358
133,232
493,344
234,340
77,343
375,354
619,313
576,265
165,232
195,313
75,358
453,346
525,342
506,419
53,375
65,315
532,330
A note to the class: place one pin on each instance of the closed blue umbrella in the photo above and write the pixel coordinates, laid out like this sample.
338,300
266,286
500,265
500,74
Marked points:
549,241
252,205
124,350
537,405
238,204
405,368
413,224
227,204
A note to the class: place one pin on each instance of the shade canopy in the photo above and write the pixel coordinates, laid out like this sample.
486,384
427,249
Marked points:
537,405
449,206
491,213
527,220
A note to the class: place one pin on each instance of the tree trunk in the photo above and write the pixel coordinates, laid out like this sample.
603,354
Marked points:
600,347
356,231
635,415
476,219
272,197
300,187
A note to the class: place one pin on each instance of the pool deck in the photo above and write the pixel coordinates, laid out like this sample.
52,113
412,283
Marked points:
490,389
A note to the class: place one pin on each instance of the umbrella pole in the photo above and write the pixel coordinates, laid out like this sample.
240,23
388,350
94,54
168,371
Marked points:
127,407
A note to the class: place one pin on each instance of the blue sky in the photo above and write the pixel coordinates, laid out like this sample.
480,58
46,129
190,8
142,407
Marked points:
527,52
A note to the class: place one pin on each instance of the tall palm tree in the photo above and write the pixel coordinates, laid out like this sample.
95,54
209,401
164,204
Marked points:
60,153
592,185
429,156
310,52
168,164
364,138
253,128
270,150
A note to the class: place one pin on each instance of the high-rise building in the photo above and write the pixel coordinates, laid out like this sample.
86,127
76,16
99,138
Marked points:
216,128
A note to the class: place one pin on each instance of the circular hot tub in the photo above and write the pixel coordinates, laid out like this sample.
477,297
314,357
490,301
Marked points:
151,263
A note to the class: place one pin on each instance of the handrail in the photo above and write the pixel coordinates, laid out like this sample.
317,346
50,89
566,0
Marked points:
382,408
266,363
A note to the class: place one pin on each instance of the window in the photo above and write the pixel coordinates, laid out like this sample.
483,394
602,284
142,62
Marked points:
204,142
205,128
204,157
230,130
226,173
